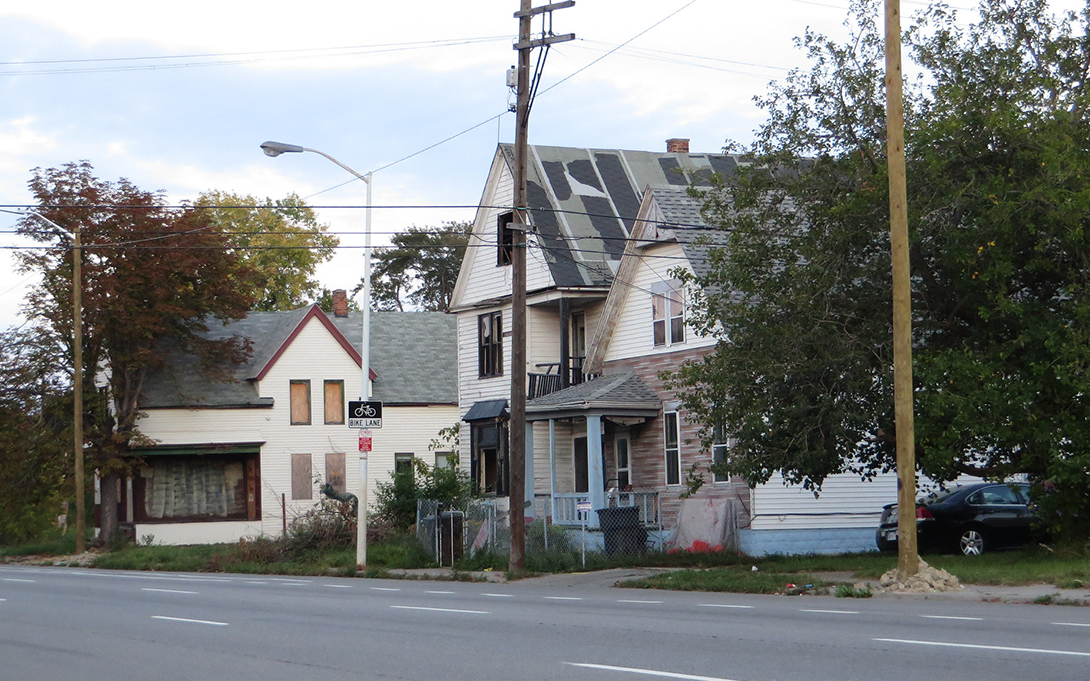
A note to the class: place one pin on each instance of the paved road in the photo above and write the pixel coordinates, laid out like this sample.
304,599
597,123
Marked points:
58,623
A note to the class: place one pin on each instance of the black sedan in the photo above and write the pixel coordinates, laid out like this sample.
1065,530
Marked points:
971,519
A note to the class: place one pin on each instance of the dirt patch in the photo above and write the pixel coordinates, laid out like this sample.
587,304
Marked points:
927,580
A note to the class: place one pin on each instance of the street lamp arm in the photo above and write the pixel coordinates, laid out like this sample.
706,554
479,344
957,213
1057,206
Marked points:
274,149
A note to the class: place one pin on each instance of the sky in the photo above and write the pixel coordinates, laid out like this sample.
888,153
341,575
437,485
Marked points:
179,100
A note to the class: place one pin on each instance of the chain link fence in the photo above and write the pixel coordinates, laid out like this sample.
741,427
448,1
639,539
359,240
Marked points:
563,528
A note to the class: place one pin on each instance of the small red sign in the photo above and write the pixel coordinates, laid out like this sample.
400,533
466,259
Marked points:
365,440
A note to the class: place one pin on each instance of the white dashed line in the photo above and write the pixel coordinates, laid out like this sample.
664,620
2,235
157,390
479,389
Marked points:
254,581
383,588
724,605
28,581
289,581
561,598
983,647
647,672
626,600
951,617
832,612
417,607
438,592
1071,624
183,619
499,595
337,586
168,591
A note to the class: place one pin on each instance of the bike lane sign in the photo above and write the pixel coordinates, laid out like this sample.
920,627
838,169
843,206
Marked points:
365,415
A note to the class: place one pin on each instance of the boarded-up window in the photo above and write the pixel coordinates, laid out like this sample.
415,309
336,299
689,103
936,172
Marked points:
302,486
334,471
300,403
334,402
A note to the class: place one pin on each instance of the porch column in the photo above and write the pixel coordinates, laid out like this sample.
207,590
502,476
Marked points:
552,468
528,489
596,479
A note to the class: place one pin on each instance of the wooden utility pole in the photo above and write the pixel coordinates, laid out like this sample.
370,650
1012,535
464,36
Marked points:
77,385
516,457
908,560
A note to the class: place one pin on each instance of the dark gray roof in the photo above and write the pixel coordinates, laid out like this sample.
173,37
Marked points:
682,220
584,201
413,354
622,393
483,410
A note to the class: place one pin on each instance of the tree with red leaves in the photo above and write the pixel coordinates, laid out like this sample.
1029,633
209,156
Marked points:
154,278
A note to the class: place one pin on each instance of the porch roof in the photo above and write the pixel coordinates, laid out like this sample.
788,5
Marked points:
610,395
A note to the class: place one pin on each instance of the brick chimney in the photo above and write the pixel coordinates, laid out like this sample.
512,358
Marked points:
340,303
677,145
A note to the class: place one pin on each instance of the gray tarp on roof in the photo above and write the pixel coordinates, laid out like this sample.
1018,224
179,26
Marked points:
584,201
414,355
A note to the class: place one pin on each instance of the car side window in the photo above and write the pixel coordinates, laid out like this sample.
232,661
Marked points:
976,499
1000,495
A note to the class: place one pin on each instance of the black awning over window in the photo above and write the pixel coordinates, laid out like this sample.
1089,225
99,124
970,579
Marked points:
486,410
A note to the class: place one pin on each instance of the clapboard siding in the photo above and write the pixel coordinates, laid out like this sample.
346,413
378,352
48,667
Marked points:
632,336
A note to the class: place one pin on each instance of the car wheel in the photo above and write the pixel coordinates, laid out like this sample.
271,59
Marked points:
971,542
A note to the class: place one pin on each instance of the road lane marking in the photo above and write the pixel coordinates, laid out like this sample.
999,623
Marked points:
1071,624
159,578
418,607
28,581
383,588
438,592
951,617
289,581
626,600
168,591
255,581
183,619
337,586
562,598
833,612
647,672
499,595
975,646
724,605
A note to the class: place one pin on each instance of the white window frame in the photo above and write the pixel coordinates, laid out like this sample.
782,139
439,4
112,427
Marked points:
618,469
668,310
668,415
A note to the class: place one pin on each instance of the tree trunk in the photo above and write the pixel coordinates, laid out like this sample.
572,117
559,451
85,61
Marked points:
109,498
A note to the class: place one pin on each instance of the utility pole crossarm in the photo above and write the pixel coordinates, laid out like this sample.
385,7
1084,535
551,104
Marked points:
534,11
542,42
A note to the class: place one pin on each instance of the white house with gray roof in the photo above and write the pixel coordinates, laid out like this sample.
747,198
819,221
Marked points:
606,319
243,457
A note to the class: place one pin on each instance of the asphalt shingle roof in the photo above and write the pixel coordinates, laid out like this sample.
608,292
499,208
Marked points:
413,354
611,390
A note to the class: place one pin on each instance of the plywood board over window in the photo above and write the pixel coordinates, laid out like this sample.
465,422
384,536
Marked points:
302,486
334,471
334,402
300,403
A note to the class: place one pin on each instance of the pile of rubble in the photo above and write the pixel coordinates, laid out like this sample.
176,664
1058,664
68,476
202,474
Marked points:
927,580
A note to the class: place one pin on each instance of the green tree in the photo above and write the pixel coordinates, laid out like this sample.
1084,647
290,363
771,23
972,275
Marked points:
154,279
999,203
35,433
420,269
281,240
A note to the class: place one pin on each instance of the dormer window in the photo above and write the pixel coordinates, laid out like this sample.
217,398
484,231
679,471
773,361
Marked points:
668,313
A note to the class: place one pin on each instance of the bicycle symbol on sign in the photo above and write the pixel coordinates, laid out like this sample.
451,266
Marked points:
364,411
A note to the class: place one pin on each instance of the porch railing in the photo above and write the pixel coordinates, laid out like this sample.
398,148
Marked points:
548,382
565,505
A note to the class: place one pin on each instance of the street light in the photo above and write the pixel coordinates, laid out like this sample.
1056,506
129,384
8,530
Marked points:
77,373
274,149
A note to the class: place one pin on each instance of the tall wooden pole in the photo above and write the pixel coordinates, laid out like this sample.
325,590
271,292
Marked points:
517,455
77,386
908,560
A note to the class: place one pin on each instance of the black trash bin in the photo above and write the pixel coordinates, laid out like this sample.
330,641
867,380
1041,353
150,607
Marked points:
451,541
622,530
